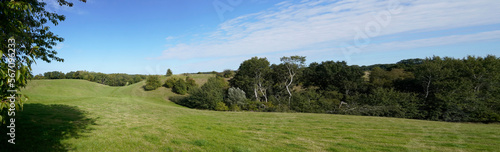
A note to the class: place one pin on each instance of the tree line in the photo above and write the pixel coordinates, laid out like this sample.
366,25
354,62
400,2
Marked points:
436,88
115,79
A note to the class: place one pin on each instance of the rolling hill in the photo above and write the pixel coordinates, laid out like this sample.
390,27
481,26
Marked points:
77,115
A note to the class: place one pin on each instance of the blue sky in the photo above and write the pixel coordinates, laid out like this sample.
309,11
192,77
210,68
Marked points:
150,36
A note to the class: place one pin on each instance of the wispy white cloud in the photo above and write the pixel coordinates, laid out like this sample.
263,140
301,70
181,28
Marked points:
169,38
438,41
317,26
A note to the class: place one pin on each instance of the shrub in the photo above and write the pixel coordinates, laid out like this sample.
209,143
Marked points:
190,83
170,82
178,99
180,87
390,103
221,106
235,108
228,73
208,96
152,82
236,96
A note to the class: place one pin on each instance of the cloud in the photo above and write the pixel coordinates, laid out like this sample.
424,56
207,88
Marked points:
169,38
311,24
438,41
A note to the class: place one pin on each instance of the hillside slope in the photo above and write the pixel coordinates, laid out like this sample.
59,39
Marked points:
79,115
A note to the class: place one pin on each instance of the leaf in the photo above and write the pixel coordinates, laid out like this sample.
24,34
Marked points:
18,74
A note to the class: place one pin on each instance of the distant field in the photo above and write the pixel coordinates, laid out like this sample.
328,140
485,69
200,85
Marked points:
78,115
199,78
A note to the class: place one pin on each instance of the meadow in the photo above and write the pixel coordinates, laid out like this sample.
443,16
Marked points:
78,115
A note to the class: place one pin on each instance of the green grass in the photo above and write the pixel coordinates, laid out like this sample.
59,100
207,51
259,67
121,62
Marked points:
77,115
200,79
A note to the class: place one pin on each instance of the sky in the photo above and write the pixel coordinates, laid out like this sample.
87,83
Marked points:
188,36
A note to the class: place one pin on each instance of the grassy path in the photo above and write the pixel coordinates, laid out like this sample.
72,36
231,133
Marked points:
78,115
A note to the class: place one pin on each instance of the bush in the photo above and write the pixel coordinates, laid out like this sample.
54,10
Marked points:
170,82
390,103
254,105
228,73
190,83
221,106
180,87
208,96
178,99
236,96
152,82
235,108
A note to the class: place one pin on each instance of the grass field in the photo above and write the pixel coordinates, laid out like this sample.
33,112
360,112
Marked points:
77,115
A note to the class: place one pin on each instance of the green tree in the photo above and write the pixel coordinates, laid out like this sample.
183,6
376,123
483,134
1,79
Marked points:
24,37
152,82
228,73
54,75
383,78
169,73
293,65
334,76
251,78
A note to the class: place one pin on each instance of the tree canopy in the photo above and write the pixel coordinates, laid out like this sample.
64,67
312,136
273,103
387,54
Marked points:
25,37
436,88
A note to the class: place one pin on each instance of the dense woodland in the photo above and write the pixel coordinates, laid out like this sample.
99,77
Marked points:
443,89
116,79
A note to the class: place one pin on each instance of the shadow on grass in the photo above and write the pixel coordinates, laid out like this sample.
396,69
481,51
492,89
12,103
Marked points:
42,127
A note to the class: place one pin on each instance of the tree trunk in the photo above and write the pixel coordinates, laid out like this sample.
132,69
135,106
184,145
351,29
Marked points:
256,94
428,87
288,87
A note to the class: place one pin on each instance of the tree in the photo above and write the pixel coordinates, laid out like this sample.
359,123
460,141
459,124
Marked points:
228,73
293,64
334,76
383,78
251,77
25,37
54,75
169,73
39,77
430,71
152,82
